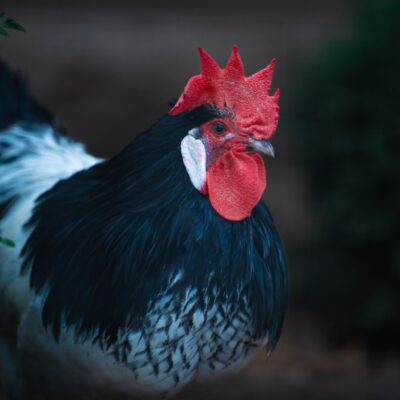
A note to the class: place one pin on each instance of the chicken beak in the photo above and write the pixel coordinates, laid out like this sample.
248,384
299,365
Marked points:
263,146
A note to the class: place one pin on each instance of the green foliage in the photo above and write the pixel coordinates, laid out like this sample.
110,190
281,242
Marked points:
347,128
6,242
9,23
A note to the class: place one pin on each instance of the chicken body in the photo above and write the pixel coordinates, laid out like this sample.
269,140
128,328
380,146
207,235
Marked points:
114,290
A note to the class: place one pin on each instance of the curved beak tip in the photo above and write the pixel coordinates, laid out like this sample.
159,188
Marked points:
264,147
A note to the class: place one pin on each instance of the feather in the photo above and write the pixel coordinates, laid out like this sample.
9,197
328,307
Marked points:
107,242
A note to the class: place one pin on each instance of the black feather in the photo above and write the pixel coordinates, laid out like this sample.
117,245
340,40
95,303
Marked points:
108,241
17,106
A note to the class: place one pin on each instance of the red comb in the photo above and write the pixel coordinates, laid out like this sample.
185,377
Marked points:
255,111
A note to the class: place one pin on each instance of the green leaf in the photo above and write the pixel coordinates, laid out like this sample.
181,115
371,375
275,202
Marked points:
13,24
10,23
7,242
3,32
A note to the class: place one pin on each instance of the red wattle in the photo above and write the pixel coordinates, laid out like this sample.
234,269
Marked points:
235,183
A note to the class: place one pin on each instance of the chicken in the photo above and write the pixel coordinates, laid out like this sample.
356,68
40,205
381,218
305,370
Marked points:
133,276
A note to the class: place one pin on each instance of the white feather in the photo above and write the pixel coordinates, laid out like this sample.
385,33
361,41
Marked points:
30,164
194,158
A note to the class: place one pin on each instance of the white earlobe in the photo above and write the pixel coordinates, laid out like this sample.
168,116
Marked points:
194,158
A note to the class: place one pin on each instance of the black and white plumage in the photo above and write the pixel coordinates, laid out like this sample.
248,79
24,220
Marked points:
124,281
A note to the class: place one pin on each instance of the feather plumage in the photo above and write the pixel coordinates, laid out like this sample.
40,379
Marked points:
109,240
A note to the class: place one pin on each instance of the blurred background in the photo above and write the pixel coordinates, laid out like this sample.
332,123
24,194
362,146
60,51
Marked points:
109,69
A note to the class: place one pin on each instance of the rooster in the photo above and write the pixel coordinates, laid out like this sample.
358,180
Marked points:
133,276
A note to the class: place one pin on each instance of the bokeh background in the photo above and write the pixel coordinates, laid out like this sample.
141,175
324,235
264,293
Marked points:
109,69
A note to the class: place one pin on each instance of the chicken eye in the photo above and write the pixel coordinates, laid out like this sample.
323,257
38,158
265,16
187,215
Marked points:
219,128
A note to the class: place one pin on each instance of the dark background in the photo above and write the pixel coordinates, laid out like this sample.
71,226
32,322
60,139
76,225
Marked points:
109,69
